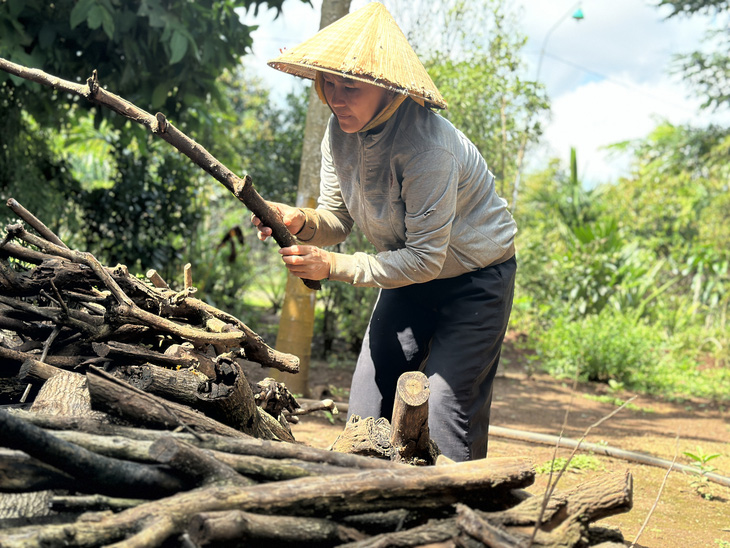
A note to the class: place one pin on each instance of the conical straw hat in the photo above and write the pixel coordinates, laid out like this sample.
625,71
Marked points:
365,45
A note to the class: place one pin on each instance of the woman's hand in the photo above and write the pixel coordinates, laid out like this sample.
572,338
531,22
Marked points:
307,261
292,217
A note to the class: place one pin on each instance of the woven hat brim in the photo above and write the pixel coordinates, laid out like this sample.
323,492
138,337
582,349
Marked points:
365,45
310,72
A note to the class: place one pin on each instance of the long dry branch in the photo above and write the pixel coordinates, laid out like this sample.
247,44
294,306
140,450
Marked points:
243,189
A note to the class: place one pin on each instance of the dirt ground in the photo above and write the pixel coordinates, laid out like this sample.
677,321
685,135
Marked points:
688,513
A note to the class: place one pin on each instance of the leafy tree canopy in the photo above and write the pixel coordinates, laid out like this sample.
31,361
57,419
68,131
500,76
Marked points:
690,7
707,71
160,55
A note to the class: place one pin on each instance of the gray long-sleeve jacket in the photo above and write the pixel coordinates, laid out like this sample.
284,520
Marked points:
421,193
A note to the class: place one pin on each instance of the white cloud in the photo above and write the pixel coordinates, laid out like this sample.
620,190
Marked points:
598,114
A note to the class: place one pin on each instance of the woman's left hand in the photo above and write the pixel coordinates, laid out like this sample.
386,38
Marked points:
307,261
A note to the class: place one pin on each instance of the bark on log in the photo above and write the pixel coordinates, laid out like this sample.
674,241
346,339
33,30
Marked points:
409,434
89,503
601,497
34,371
132,354
178,386
234,528
373,490
566,527
93,472
258,468
20,473
65,393
198,464
121,400
36,223
23,253
228,398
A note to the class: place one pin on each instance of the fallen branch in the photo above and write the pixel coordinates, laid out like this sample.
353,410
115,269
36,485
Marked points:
607,450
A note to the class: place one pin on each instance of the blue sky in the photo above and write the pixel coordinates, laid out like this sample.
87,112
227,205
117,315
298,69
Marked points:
607,75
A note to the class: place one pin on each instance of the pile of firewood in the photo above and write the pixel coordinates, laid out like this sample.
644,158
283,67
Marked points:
127,418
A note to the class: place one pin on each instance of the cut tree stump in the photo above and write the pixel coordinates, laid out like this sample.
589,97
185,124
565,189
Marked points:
404,439
409,433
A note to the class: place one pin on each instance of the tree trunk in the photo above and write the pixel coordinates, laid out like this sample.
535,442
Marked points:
296,325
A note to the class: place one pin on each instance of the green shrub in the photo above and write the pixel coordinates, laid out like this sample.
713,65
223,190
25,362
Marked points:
600,347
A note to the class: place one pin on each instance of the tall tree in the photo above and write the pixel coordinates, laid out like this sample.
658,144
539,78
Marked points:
296,324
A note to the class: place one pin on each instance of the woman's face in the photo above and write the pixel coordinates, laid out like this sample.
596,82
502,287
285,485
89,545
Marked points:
354,103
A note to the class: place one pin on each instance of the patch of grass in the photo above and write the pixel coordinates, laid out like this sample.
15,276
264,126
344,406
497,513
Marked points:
579,463
618,402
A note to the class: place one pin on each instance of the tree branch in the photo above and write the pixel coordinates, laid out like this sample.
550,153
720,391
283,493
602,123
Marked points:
243,189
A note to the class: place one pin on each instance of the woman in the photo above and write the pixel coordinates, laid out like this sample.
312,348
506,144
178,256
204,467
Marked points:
424,197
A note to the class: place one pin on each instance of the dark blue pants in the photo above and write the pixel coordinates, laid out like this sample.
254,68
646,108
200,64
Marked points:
450,329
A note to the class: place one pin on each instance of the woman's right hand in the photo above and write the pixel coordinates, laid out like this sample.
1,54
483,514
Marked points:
292,217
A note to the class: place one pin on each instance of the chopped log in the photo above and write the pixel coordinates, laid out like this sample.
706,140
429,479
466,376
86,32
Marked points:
234,528
228,398
65,393
33,370
373,490
367,437
188,276
156,279
133,354
197,464
20,473
92,472
119,399
409,434
178,386
601,497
